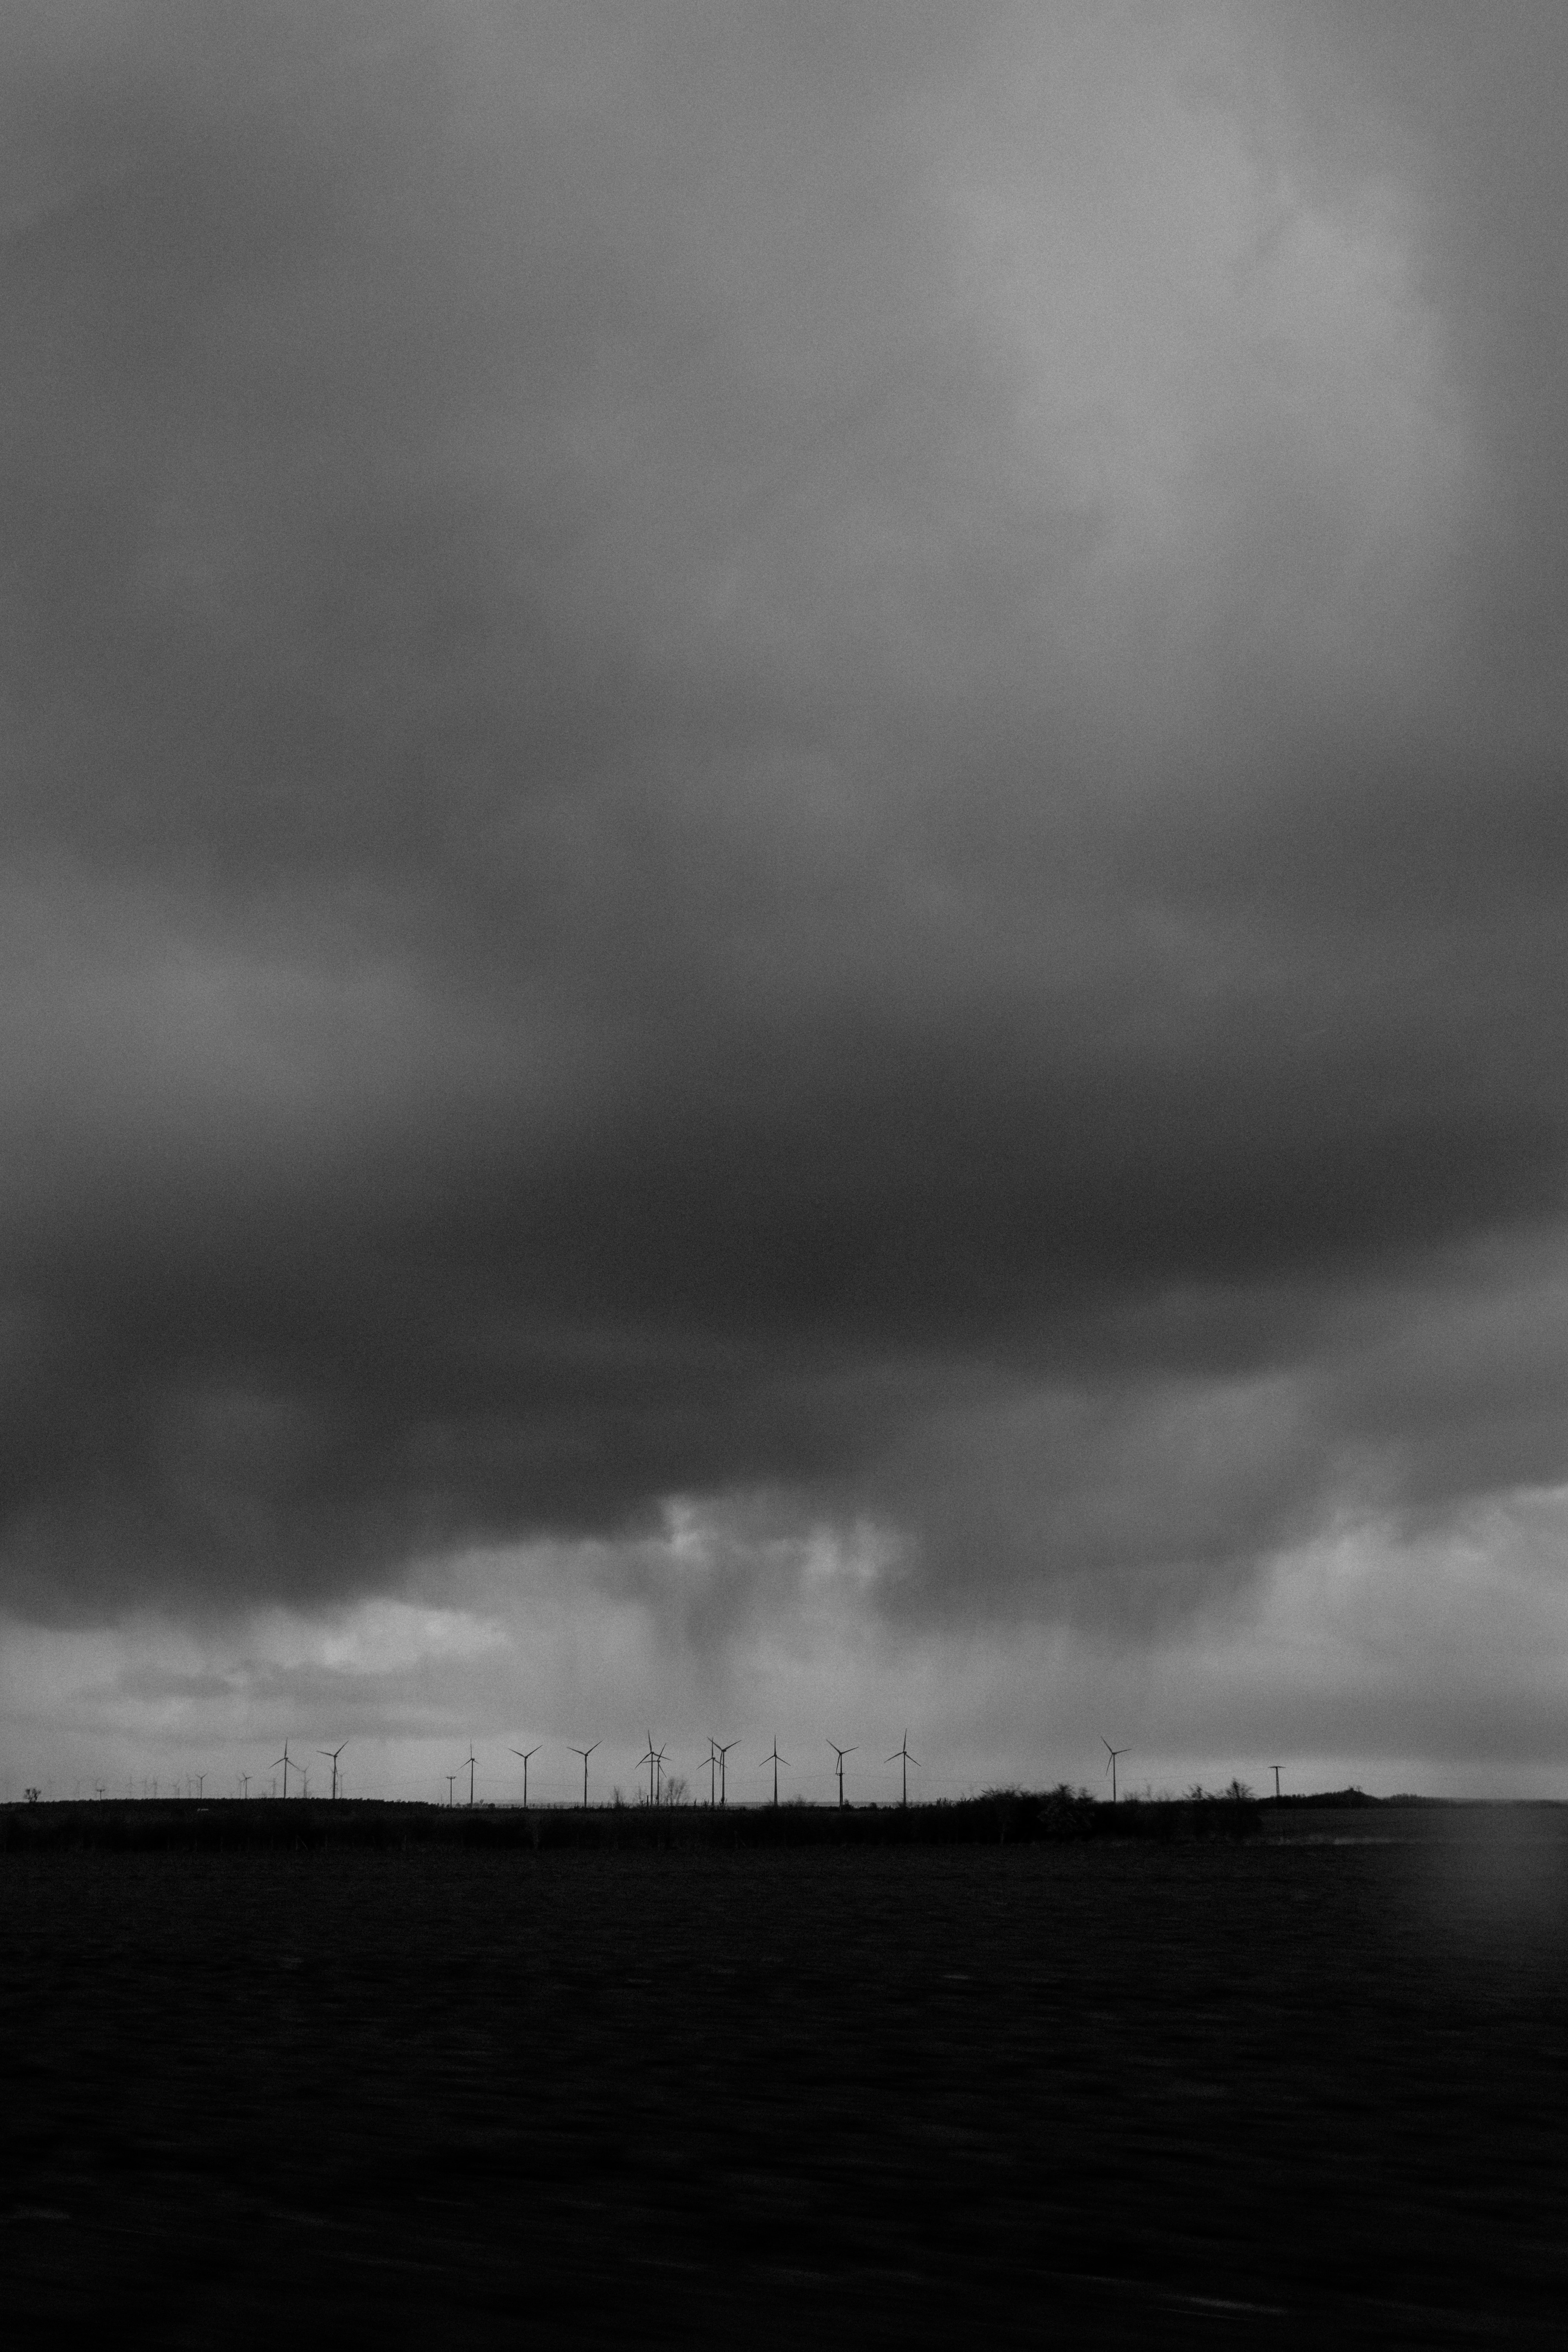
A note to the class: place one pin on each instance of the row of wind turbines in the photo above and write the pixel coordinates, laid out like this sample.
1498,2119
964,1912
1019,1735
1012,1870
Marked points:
714,1764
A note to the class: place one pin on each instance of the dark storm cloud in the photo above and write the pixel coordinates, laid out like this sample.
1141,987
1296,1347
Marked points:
774,750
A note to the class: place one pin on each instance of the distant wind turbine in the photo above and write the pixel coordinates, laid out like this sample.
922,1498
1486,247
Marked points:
712,1768
473,1759
284,1760
841,1753
525,1753
908,1760
1110,1756
451,1777
722,1748
332,1754
584,1753
775,1760
1275,1769
650,1757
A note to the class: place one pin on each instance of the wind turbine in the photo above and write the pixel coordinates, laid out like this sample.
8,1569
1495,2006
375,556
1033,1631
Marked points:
332,1754
1275,1769
908,1760
284,1759
584,1753
722,1748
775,1760
650,1757
473,1759
712,1771
244,1784
841,1753
450,1778
1110,1756
525,1753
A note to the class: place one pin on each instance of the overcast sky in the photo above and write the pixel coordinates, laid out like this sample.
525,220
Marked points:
782,884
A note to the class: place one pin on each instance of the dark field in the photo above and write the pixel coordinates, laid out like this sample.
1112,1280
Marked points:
1273,2094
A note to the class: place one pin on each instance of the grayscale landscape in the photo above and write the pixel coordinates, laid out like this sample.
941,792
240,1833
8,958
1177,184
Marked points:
783,1171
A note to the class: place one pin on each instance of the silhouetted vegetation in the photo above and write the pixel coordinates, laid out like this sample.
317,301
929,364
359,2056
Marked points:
1347,1798
1001,1816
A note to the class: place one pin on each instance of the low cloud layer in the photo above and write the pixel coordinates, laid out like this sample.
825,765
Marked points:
778,761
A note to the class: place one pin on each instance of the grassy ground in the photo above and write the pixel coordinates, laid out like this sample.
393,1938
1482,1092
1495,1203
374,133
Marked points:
1107,2093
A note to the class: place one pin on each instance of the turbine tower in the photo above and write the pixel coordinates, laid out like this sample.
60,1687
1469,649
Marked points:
1110,1756
584,1753
332,1754
908,1760
775,1760
841,1753
525,1753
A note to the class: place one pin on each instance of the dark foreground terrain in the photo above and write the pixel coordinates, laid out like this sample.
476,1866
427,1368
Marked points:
1268,2092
